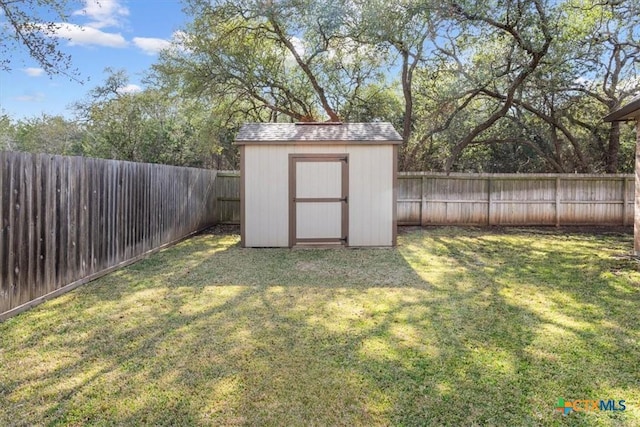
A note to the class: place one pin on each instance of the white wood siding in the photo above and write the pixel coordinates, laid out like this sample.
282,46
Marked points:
267,195
328,149
370,195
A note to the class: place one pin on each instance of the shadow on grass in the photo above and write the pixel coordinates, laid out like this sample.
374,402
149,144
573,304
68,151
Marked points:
455,327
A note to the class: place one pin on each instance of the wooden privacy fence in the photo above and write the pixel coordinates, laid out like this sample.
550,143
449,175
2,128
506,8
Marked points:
67,220
426,198
515,199
228,197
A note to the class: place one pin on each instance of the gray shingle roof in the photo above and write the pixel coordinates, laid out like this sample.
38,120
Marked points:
381,132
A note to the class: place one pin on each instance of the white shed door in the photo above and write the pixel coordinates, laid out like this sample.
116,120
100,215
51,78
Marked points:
318,193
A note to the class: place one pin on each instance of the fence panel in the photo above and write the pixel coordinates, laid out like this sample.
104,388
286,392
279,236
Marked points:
409,200
517,199
228,197
66,220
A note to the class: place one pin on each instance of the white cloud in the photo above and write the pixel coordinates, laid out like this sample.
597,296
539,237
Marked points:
103,13
86,36
34,72
150,45
32,97
178,43
130,88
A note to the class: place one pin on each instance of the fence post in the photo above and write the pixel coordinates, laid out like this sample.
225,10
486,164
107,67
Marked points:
625,190
489,201
557,201
423,201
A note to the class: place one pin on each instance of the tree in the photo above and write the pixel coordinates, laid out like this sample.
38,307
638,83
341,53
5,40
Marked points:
7,133
41,134
610,65
144,126
289,59
406,28
527,74
490,85
49,134
29,24
509,43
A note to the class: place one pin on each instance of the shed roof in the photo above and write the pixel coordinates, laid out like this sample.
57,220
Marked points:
287,133
628,112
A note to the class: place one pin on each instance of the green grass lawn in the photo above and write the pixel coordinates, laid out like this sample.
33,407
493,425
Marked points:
456,326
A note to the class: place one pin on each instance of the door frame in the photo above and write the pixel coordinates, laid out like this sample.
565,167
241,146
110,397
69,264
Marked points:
343,158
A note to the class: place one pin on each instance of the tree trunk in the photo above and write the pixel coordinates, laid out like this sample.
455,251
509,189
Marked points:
407,75
614,148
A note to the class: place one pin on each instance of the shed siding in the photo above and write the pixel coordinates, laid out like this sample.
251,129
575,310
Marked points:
266,196
370,195
328,149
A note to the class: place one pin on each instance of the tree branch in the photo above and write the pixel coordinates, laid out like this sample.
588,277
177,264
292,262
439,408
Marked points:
306,69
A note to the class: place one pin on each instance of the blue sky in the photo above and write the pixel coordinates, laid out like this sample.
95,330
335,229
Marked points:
122,34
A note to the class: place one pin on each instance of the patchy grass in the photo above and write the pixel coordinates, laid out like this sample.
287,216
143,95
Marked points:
455,327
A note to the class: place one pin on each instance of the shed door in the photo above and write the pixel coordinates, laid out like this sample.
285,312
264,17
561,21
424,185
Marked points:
318,199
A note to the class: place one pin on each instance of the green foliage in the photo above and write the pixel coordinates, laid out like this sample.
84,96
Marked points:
553,120
7,133
144,126
43,134
281,61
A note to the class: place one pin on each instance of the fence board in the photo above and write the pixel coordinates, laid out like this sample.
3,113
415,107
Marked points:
64,220
13,231
4,293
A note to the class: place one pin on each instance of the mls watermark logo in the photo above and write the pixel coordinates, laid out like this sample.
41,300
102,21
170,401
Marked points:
587,405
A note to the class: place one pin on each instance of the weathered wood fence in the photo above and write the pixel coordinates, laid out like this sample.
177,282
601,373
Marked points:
228,197
426,198
515,199
67,220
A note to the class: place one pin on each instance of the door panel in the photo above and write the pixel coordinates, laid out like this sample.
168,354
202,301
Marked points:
318,179
319,220
318,194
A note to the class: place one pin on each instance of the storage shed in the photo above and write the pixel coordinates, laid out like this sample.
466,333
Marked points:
318,184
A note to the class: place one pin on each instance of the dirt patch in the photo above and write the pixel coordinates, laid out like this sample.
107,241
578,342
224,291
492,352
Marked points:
223,230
